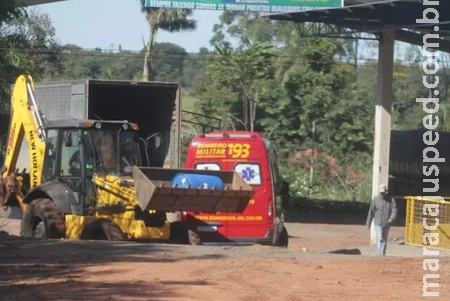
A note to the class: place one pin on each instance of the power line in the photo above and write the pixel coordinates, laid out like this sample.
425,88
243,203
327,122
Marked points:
362,61
79,51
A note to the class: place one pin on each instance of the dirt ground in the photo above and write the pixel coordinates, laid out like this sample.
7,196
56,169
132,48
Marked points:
324,261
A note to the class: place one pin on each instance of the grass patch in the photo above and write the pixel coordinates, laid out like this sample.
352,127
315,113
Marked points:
188,102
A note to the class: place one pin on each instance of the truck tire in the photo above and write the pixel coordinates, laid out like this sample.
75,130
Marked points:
43,219
103,229
283,239
194,239
10,212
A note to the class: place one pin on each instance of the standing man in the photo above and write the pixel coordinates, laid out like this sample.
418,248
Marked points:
383,210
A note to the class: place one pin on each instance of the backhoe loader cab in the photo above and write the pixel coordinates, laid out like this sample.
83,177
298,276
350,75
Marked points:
89,146
78,149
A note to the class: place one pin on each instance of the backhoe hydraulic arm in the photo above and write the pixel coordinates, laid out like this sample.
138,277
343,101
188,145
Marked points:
27,121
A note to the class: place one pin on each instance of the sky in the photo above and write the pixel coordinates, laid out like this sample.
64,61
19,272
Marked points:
108,23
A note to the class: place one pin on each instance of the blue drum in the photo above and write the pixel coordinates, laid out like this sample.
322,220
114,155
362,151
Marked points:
197,181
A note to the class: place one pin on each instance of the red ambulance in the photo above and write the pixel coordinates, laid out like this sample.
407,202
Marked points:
253,157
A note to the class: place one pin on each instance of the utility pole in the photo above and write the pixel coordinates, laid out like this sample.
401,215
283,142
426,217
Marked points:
383,106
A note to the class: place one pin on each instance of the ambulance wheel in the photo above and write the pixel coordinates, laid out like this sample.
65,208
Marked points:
283,239
103,229
43,219
194,239
179,233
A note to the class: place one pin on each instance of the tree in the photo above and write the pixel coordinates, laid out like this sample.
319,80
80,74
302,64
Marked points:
319,95
27,45
216,97
246,69
171,20
8,11
194,68
38,41
168,62
236,25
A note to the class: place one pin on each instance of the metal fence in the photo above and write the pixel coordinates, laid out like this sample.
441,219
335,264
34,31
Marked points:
428,222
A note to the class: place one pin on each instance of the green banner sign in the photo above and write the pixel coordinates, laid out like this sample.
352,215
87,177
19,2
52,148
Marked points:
267,6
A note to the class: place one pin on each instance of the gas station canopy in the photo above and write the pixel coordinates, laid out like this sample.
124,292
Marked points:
375,16
365,16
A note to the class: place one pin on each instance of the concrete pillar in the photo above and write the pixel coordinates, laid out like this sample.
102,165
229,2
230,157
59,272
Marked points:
383,104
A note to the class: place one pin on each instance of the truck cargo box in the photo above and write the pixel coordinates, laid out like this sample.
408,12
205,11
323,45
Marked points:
154,106
406,163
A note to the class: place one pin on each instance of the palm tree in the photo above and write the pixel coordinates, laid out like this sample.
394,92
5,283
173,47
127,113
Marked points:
171,20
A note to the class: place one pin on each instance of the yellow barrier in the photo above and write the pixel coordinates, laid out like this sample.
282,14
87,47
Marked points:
428,222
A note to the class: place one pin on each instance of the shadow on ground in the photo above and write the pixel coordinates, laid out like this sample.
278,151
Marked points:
347,252
73,289
54,269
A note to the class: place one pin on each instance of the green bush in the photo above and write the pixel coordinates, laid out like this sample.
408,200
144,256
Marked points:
348,181
306,205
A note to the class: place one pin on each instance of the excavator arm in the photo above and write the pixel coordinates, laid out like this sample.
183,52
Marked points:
28,123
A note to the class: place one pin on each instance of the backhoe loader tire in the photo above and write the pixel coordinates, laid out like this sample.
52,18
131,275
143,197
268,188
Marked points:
194,239
43,219
103,229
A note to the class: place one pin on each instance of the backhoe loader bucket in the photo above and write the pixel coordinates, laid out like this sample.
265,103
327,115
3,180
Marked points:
154,191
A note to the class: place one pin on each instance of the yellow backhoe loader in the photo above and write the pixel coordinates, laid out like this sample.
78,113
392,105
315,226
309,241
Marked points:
86,181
